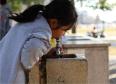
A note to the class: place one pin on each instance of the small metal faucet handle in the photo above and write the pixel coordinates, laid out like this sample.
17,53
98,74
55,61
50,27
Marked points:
58,47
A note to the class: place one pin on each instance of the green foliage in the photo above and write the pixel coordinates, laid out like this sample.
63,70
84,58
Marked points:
104,5
17,5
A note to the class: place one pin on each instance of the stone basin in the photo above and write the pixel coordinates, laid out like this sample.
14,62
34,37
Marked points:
77,38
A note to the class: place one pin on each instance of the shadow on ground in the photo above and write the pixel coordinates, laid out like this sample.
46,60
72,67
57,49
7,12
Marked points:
113,81
112,68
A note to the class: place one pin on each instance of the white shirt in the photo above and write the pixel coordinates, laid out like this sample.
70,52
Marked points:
25,43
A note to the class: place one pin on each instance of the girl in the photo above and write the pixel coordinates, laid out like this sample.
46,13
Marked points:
29,39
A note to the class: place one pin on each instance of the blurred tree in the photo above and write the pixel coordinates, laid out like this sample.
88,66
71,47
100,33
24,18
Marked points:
30,2
103,5
17,5
98,4
74,27
81,2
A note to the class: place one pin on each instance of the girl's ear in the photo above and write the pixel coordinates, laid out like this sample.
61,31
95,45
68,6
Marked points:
53,23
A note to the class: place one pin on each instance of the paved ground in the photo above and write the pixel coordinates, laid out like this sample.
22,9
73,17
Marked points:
112,68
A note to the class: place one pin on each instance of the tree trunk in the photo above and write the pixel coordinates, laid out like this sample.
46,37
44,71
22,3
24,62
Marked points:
74,27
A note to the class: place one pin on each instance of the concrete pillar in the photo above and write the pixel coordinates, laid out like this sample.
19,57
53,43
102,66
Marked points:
67,70
34,75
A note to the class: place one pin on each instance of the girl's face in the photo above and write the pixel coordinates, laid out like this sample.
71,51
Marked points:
57,31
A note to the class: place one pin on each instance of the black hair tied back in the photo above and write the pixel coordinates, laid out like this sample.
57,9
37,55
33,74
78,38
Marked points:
28,15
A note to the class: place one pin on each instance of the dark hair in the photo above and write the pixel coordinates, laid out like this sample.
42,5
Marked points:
62,10
28,15
3,2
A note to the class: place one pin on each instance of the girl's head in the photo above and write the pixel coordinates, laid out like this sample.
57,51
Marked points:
60,14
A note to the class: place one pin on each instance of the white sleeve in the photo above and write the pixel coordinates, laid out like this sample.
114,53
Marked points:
32,51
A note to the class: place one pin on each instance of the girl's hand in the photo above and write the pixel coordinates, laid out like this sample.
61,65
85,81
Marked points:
51,53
